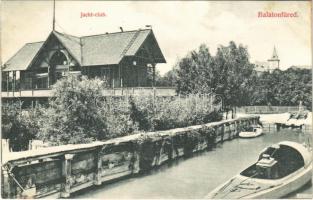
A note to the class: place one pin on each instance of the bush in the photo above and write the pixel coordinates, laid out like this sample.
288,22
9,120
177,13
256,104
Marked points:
19,126
78,113
163,114
73,115
120,124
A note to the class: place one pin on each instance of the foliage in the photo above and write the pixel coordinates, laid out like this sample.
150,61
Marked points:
119,122
283,88
230,74
19,126
78,113
168,80
163,114
141,112
73,115
225,73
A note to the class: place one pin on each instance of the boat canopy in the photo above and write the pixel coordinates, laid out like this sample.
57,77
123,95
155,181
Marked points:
300,149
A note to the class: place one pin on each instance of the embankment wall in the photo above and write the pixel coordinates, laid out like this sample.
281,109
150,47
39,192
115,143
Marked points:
56,172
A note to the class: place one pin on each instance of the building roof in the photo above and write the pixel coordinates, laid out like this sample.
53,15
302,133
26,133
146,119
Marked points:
71,43
274,56
109,49
22,59
104,49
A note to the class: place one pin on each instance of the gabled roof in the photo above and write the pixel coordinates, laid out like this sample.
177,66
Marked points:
109,49
104,49
71,43
22,58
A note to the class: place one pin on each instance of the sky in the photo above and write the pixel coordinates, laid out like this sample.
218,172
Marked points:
179,26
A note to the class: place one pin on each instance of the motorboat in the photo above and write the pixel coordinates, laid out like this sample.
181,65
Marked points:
280,169
252,132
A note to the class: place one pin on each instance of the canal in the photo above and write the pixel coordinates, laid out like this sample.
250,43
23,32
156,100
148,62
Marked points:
195,177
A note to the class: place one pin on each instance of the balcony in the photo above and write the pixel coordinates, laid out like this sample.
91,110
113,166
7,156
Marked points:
136,91
27,93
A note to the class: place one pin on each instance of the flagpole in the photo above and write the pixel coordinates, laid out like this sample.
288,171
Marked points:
53,22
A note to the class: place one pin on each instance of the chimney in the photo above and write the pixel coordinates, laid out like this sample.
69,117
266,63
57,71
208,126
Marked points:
121,29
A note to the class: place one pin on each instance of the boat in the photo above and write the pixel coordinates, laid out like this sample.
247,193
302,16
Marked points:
280,169
252,132
296,119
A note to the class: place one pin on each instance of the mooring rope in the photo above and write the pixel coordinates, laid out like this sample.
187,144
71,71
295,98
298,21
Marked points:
12,175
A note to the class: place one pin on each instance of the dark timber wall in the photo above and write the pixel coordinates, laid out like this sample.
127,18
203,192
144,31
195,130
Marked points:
57,172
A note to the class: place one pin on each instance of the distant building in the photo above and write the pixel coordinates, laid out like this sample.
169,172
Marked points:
269,65
273,61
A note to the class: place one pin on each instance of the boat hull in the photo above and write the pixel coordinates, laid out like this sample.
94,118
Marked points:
287,185
251,134
276,188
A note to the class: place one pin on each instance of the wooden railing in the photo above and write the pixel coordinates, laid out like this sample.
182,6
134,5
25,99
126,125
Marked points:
267,109
136,91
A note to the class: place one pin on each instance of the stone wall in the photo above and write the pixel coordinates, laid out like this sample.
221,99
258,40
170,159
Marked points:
56,172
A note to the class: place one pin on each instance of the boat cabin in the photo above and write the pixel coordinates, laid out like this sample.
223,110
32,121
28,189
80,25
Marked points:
277,162
252,128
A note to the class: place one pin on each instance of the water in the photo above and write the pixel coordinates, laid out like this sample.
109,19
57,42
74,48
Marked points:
195,177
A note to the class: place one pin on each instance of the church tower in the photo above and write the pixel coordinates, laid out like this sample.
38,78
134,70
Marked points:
273,61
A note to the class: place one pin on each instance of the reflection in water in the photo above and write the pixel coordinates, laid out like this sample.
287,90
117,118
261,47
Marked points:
195,177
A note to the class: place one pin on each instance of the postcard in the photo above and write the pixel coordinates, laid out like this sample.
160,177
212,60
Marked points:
156,99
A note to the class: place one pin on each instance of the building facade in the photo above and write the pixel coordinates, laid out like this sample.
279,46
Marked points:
125,59
270,65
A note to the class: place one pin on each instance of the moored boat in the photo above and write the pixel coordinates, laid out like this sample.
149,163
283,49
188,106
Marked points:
296,119
253,131
281,169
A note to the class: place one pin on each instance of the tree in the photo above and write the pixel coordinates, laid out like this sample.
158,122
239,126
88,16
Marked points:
19,126
73,115
234,74
228,73
193,72
169,79
283,88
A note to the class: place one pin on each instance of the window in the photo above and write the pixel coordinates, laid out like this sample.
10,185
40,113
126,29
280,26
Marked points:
26,80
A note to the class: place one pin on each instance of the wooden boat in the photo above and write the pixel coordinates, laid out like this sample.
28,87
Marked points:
281,169
253,131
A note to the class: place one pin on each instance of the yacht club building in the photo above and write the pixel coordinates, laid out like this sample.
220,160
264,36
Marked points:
124,59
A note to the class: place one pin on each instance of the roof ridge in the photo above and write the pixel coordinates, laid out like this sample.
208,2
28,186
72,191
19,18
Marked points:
69,48
65,34
137,30
32,42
